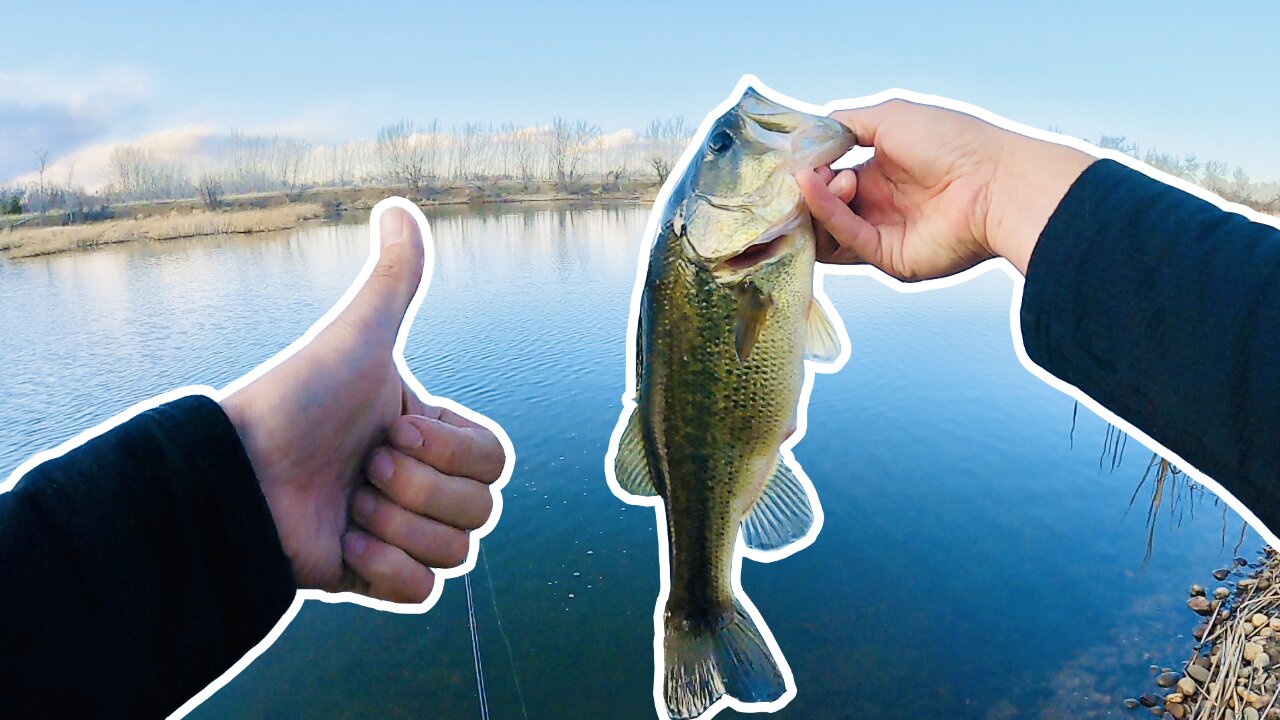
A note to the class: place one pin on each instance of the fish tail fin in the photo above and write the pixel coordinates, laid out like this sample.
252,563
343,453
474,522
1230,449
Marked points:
705,664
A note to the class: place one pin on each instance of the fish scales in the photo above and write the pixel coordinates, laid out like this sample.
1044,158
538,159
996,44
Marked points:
733,414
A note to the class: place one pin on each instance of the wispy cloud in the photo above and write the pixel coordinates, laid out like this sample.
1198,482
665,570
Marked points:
44,109
89,165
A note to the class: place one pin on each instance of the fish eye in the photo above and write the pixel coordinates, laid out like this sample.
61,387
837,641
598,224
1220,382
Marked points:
719,141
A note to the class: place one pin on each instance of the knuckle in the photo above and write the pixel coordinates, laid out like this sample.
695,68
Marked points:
383,520
484,509
386,269
425,584
456,548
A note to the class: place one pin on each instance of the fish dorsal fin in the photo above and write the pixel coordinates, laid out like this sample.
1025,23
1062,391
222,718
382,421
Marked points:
822,343
631,466
781,515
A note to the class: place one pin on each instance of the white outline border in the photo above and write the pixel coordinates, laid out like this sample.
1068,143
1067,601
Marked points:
823,270
412,382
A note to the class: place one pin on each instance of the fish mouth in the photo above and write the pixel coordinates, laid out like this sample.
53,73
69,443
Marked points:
755,254
768,246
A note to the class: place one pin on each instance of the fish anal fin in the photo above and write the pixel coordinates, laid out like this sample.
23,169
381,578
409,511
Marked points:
822,342
631,466
781,515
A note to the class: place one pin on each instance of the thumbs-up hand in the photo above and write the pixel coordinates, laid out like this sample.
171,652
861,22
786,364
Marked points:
313,427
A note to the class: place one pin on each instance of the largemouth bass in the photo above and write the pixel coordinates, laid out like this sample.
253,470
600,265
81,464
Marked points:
726,319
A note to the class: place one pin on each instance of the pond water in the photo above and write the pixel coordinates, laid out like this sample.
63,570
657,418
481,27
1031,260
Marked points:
979,559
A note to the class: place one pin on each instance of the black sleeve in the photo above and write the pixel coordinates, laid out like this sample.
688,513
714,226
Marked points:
136,568
1166,310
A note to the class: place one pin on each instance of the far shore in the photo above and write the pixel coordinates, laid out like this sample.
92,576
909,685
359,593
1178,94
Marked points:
265,212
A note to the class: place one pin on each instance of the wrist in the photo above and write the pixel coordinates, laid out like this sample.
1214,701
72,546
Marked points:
1030,179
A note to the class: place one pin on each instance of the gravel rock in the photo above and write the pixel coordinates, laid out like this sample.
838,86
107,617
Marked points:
1199,605
1221,574
1198,673
1251,650
1187,687
1169,679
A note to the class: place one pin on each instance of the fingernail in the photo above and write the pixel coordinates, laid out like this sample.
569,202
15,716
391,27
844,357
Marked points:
355,543
391,227
363,506
404,435
380,467
839,185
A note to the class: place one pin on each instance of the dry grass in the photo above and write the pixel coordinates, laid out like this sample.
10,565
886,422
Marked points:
1238,681
32,242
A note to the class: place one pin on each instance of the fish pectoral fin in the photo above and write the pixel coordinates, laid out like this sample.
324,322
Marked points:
822,342
631,466
781,515
753,308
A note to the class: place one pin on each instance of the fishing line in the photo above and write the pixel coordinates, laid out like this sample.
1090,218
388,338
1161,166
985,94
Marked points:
505,640
475,652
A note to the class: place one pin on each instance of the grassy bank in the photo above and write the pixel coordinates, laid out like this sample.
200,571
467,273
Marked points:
35,241
262,212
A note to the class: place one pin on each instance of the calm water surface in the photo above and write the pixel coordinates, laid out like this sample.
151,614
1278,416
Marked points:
977,559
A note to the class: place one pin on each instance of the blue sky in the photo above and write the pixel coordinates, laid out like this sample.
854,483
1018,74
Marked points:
1170,74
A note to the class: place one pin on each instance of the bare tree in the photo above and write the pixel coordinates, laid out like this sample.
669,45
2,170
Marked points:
405,155
524,143
616,159
1240,186
137,174
1186,167
1214,176
664,140
1119,143
566,144
288,162
42,190
210,191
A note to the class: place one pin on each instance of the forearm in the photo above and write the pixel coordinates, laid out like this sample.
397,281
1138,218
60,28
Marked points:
1030,178
1166,310
137,567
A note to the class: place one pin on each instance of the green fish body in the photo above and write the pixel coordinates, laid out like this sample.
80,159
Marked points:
720,369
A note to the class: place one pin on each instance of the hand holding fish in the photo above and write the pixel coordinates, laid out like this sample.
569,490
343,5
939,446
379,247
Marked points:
310,423
943,192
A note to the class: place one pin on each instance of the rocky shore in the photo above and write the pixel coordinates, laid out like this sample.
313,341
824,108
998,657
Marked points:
1233,672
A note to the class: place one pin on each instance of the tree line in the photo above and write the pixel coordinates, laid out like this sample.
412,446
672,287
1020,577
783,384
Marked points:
417,156
1211,175
403,153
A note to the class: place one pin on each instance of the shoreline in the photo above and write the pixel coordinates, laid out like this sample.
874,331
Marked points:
1229,673
271,212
